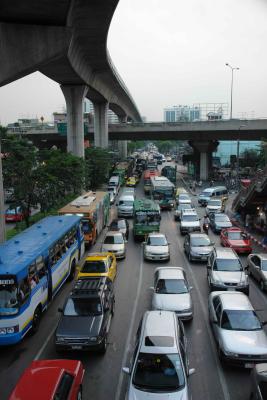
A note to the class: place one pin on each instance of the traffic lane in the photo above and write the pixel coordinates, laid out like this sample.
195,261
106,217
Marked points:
208,381
238,379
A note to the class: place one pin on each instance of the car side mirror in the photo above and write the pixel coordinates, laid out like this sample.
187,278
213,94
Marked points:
60,310
143,243
191,371
214,320
126,370
151,288
191,288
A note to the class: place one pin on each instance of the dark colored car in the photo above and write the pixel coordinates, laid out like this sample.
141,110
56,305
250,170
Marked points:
121,225
50,380
218,222
86,316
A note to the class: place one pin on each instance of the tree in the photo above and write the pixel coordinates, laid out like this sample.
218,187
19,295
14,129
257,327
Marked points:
19,165
249,158
97,165
136,144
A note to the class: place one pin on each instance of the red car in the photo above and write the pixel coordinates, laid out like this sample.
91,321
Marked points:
236,239
49,380
14,214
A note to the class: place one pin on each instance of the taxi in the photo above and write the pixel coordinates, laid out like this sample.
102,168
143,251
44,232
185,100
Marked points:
132,181
236,239
179,190
99,264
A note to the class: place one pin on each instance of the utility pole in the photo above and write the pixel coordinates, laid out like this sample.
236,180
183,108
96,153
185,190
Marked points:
2,208
232,79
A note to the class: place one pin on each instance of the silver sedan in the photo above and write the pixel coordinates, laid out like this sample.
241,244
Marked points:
156,248
240,337
257,267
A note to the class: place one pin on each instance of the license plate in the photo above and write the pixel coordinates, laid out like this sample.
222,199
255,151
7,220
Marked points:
76,347
230,288
249,365
203,258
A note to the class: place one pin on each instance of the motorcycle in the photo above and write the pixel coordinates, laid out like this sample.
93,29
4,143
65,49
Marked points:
206,228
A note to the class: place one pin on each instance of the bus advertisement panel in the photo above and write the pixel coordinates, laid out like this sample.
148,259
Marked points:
162,192
94,208
146,218
147,182
34,266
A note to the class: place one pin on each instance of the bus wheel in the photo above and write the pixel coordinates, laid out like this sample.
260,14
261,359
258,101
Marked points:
36,320
72,271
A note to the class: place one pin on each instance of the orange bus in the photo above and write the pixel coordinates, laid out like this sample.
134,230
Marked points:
94,208
147,182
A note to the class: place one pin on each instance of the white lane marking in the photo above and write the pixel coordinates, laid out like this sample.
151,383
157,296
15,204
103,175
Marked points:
130,332
223,383
38,355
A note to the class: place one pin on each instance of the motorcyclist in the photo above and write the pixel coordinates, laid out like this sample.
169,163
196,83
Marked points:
206,223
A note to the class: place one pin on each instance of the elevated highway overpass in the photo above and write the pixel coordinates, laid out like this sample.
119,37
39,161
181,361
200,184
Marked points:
66,40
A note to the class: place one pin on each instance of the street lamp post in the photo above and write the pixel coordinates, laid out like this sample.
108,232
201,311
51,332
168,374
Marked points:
2,208
232,79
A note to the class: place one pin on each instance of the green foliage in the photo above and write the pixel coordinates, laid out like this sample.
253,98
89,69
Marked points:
164,146
3,132
134,145
249,158
97,165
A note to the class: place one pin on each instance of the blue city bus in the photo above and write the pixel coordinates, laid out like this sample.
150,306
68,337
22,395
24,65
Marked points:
33,267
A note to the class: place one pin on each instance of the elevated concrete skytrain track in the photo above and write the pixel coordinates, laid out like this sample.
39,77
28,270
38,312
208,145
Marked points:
66,40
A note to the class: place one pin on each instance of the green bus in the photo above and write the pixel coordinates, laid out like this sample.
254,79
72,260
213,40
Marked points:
146,218
170,173
162,192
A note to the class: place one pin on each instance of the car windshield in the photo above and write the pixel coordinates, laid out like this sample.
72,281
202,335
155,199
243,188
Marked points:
82,307
157,241
90,267
116,239
158,372
121,224
214,203
264,265
13,211
200,241
8,299
127,203
232,265
190,218
236,236
171,286
184,197
206,193
240,320
222,218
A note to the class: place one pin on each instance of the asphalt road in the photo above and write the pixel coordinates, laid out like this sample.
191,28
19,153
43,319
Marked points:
103,377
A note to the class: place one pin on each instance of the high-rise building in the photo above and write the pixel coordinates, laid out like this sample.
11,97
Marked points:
89,108
181,113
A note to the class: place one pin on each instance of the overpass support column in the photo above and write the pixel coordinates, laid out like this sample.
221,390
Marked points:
101,124
122,144
205,149
74,96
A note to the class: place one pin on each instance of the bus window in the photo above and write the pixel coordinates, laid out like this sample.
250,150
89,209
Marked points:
24,290
40,267
8,298
33,277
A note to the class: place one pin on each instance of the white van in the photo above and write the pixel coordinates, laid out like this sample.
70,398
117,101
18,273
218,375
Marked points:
217,192
114,181
125,205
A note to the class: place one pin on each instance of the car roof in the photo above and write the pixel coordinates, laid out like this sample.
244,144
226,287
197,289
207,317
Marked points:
225,252
159,324
233,229
220,214
190,211
156,234
170,272
198,234
234,300
113,233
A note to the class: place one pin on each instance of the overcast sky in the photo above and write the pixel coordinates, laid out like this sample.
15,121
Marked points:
168,53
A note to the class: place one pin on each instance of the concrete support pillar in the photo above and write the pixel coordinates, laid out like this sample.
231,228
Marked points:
101,125
74,96
122,144
205,149
122,147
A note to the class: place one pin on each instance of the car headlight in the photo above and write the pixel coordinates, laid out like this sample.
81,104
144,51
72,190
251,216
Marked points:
2,331
94,339
193,253
60,339
230,353
217,281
